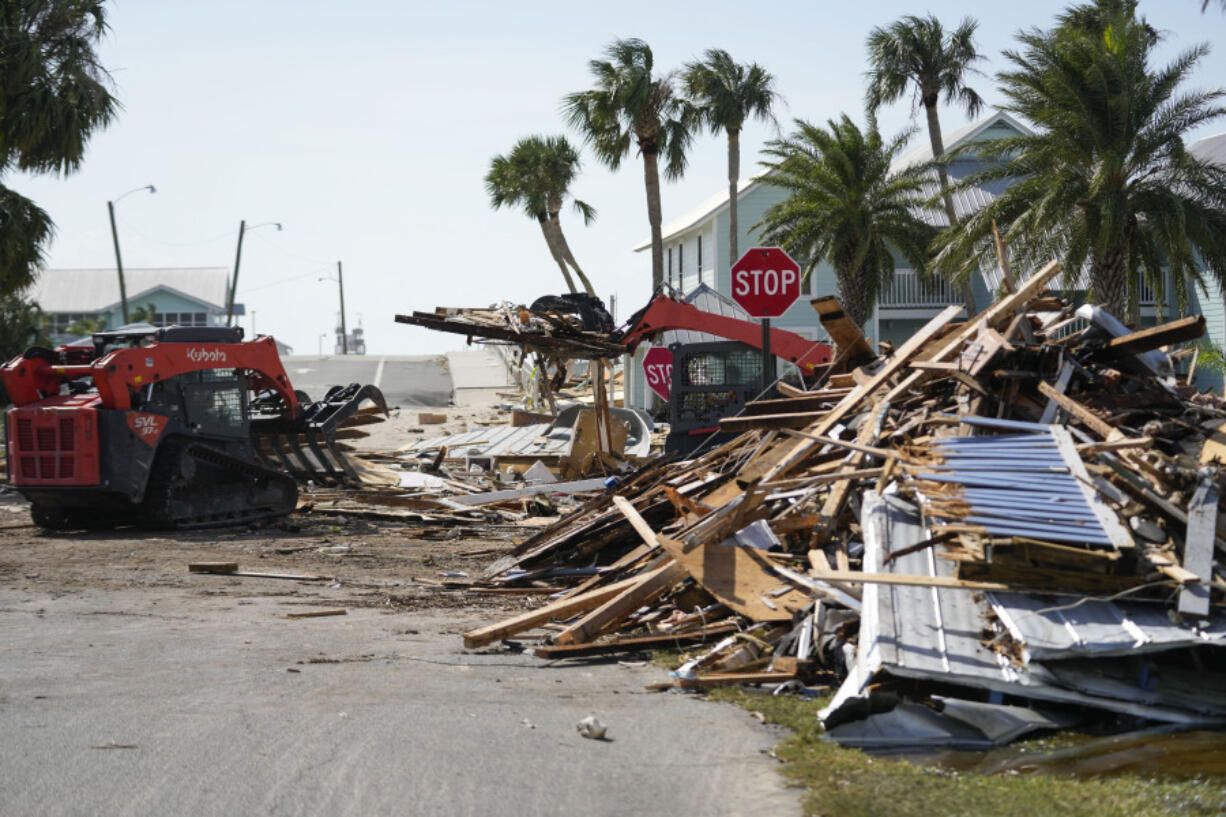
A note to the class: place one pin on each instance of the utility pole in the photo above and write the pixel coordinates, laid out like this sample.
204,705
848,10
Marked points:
340,280
238,257
123,289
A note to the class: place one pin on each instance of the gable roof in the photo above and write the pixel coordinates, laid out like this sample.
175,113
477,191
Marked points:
95,290
703,211
963,204
957,138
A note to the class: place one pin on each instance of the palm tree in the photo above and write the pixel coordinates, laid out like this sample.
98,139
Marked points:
846,206
916,51
629,103
1105,179
723,94
53,95
536,176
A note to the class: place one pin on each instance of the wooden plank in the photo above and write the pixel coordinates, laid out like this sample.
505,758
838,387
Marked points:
318,614
644,590
907,580
719,679
636,521
1079,412
1154,337
637,642
746,422
832,509
1198,548
563,608
1107,518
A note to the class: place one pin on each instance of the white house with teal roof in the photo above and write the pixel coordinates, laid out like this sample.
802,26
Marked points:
696,248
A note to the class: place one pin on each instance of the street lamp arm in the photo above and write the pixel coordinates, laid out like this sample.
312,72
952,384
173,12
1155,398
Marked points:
148,187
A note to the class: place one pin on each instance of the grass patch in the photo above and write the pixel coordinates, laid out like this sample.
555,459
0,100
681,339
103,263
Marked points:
848,783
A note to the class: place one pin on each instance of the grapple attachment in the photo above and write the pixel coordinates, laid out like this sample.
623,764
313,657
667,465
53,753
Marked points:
306,446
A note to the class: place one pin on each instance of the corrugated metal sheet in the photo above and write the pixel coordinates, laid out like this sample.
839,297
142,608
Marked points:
92,290
1016,485
1053,629
495,441
937,635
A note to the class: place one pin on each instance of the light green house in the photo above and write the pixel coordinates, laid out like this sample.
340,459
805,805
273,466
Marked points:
193,296
696,252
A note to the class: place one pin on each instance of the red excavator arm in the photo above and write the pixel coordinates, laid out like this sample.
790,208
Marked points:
663,313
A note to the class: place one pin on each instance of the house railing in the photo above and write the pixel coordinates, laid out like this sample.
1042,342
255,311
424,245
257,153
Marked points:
908,290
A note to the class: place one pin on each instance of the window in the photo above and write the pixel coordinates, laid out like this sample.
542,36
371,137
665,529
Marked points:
59,323
681,265
180,319
700,258
670,266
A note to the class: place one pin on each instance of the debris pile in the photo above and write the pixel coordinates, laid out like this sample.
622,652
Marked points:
1001,525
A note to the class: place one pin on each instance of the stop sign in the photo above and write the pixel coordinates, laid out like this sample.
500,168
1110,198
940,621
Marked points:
765,282
658,366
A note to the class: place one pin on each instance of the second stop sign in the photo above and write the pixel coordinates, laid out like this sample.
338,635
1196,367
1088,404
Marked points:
765,282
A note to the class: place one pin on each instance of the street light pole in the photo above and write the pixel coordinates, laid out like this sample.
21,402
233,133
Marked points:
238,257
340,280
123,287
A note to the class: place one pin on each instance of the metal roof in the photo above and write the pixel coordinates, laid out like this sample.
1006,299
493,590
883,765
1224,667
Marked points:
965,202
936,635
1210,149
95,290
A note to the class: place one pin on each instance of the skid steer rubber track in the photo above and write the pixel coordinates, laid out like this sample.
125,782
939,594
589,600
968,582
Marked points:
194,485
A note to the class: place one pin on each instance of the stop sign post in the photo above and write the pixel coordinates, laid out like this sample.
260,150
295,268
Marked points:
658,367
766,282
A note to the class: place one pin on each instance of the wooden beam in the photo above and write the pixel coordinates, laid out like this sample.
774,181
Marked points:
644,590
564,608
1154,337
1079,412
637,642
850,342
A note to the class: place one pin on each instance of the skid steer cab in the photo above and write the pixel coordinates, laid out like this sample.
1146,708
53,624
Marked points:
175,427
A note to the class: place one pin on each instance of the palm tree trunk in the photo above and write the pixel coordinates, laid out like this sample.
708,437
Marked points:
568,256
966,288
651,180
1109,280
553,250
853,295
734,174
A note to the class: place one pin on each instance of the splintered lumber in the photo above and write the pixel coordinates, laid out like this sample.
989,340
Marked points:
638,642
642,590
848,339
1155,337
563,608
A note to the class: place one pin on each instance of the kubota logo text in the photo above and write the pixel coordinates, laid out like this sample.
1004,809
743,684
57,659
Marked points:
206,355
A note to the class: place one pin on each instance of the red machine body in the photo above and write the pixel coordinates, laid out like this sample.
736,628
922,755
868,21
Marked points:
663,313
171,427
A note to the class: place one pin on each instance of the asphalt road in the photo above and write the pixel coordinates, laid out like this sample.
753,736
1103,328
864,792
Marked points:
422,380
186,701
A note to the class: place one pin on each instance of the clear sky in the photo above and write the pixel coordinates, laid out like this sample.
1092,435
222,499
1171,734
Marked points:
366,127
